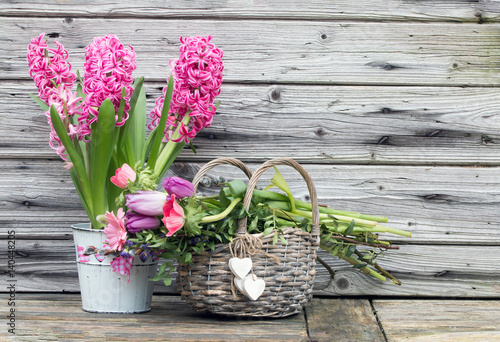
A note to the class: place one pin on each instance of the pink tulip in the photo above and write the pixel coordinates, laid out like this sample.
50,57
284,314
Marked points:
123,175
149,203
115,231
174,216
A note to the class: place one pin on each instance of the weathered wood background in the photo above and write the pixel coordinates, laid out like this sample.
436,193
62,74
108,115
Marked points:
392,106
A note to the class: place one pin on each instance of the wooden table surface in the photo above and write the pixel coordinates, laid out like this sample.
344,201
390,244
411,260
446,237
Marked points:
59,317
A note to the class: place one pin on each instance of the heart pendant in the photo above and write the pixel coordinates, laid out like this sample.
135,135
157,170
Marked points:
239,285
253,287
240,267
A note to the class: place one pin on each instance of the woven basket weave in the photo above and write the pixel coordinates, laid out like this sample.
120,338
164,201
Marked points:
207,283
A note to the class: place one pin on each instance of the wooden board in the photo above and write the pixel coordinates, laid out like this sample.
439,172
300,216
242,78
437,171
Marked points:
53,317
439,320
436,204
450,10
328,124
426,271
288,51
342,320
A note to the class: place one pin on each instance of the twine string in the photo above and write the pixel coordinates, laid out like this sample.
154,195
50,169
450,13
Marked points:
246,244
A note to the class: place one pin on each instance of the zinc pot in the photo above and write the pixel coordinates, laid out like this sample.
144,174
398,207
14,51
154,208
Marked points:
103,290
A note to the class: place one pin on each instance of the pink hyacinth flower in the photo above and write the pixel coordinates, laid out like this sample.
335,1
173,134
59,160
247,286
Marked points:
108,69
173,216
123,175
115,230
53,78
197,76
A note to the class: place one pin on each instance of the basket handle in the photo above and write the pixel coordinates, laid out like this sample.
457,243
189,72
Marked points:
219,161
242,226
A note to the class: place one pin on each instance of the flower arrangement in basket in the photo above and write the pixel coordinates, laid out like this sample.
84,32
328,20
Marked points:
252,252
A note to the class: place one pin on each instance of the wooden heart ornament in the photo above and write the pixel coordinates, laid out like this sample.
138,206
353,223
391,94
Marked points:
238,282
240,267
253,287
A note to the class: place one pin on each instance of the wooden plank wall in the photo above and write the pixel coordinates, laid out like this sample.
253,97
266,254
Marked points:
392,106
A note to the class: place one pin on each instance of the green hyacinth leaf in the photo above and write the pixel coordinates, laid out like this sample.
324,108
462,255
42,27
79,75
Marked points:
82,183
102,145
155,150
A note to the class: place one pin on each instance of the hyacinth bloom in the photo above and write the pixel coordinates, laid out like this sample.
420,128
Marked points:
115,230
53,78
149,203
197,78
49,68
123,175
179,187
174,217
108,69
136,222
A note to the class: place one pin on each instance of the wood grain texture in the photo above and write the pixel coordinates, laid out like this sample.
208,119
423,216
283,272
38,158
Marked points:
289,51
52,317
436,204
451,10
319,124
426,271
439,320
342,320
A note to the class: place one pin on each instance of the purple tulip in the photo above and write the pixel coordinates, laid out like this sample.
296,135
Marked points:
136,223
149,203
179,187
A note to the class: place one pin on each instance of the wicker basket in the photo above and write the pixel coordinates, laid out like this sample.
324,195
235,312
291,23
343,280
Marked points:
288,270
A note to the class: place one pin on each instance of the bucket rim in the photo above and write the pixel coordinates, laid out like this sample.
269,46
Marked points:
85,227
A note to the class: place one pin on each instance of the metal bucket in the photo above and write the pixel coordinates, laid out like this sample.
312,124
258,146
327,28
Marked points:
105,291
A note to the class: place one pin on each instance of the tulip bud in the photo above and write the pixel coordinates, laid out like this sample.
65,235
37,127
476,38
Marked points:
136,223
179,187
149,203
123,175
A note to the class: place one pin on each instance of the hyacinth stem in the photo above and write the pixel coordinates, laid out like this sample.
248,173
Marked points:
167,155
220,216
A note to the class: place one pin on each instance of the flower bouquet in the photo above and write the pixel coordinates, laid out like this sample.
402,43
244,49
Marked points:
98,127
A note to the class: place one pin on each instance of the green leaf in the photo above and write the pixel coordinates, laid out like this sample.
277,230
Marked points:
167,281
223,197
349,228
42,104
267,231
237,187
187,257
176,151
350,251
337,249
79,190
137,126
162,268
283,240
84,184
102,144
192,147
155,150
280,182
149,144
275,238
